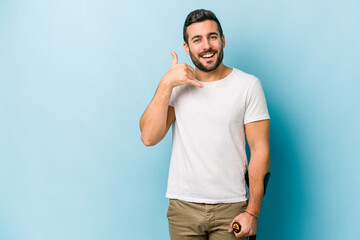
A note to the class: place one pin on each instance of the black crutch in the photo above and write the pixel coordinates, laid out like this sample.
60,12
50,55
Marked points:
236,226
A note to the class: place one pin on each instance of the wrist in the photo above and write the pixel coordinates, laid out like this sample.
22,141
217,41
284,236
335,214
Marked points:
252,214
164,82
253,208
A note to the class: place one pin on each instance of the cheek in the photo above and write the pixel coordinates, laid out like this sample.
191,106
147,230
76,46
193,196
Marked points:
217,45
195,49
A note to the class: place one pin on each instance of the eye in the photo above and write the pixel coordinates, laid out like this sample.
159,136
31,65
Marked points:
213,37
197,40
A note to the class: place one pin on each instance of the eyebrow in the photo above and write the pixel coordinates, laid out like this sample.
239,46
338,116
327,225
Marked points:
212,33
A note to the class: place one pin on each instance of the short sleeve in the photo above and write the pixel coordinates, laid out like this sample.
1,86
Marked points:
256,107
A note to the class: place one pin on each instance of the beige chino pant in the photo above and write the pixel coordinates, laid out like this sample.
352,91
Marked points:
201,221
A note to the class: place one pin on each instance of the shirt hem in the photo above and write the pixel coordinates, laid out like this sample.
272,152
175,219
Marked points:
204,200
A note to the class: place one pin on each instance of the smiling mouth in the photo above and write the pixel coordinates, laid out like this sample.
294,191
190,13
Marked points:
208,56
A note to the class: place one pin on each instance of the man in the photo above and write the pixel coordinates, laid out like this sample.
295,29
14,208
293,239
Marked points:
213,108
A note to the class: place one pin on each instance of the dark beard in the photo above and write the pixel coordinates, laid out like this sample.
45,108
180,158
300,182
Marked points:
202,67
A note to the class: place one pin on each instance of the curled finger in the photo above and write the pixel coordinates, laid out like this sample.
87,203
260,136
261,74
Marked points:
190,76
191,69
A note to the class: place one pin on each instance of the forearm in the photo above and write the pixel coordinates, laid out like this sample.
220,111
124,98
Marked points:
258,167
153,121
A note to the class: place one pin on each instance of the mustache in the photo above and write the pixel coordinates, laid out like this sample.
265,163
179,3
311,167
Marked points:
207,51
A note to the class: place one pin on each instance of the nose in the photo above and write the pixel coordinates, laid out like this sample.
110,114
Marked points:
206,44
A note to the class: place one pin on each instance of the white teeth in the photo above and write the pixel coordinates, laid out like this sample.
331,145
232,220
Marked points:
208,55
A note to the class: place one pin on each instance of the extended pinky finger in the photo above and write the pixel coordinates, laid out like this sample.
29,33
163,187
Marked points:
196,84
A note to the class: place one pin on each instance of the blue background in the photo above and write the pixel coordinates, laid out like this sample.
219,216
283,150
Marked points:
76,76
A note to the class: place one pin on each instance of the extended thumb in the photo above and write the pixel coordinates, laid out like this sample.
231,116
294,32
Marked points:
175,58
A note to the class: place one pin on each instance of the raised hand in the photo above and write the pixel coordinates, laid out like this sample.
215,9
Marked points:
180,73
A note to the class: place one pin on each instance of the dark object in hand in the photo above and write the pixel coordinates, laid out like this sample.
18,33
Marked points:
236,227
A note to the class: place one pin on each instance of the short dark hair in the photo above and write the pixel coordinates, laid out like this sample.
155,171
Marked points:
200,15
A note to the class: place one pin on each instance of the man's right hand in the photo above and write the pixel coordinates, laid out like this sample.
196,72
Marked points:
180,73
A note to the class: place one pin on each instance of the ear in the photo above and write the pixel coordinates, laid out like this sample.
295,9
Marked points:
223,40
186,47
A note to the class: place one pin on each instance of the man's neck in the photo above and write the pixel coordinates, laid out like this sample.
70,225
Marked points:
219,73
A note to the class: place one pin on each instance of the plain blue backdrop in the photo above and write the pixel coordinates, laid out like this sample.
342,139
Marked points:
76,76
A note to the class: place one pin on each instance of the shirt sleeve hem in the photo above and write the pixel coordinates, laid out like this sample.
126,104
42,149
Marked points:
257,118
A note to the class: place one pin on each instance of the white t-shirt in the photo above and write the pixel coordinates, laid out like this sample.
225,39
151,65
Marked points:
208,160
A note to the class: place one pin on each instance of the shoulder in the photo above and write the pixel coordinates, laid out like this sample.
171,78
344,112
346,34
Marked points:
248,80
178,90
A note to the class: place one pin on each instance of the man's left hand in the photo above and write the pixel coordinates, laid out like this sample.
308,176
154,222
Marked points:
248,225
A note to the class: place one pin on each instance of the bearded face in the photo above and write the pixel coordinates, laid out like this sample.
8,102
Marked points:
207,60
205,45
